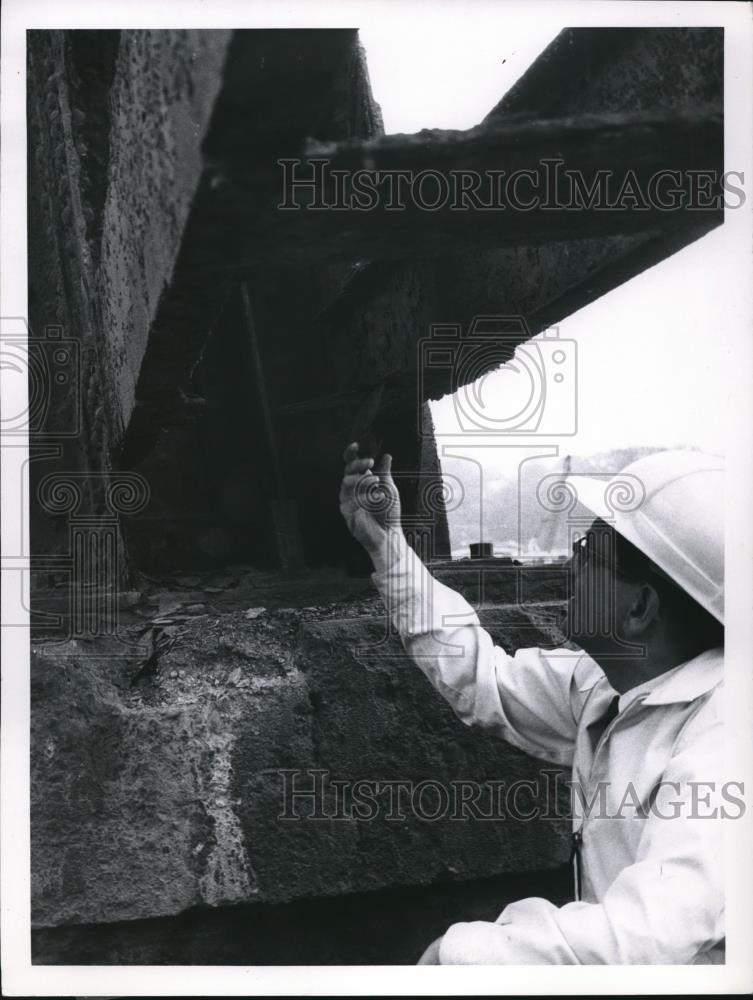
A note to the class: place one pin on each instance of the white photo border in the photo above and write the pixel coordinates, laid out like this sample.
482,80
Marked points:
20,977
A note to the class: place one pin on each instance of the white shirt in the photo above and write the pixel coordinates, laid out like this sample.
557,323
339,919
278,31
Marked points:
652,841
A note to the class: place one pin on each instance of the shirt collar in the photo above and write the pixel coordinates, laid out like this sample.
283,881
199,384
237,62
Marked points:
682,683
689,680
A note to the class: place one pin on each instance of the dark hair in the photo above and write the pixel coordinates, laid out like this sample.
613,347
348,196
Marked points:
698,626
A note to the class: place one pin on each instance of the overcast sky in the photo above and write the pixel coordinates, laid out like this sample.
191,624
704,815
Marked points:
435,70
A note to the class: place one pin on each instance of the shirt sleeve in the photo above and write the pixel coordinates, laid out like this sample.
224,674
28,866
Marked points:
667,908
529,699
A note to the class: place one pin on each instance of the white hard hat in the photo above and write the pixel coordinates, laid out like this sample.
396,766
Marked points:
670,505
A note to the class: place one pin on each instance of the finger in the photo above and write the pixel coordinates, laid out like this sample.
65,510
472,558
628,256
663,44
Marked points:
383,468
356,477
350,482
358,466
350,452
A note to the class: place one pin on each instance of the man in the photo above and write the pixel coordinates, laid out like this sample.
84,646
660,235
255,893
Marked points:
636,712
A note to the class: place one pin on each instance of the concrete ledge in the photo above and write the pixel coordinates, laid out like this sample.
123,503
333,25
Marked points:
159,790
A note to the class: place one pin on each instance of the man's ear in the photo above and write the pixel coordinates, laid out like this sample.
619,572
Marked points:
642,612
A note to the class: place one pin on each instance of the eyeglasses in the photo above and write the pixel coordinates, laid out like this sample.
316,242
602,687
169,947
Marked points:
609,543
582,550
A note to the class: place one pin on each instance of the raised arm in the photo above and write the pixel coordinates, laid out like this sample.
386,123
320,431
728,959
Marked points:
529,699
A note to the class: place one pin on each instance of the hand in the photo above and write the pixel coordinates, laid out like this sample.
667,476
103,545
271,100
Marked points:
369,501
431,955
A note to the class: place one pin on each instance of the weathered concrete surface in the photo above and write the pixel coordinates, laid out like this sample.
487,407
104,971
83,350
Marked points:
75,429
163,94
441,223
640,69
155,777
316,313
276,88
116,121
